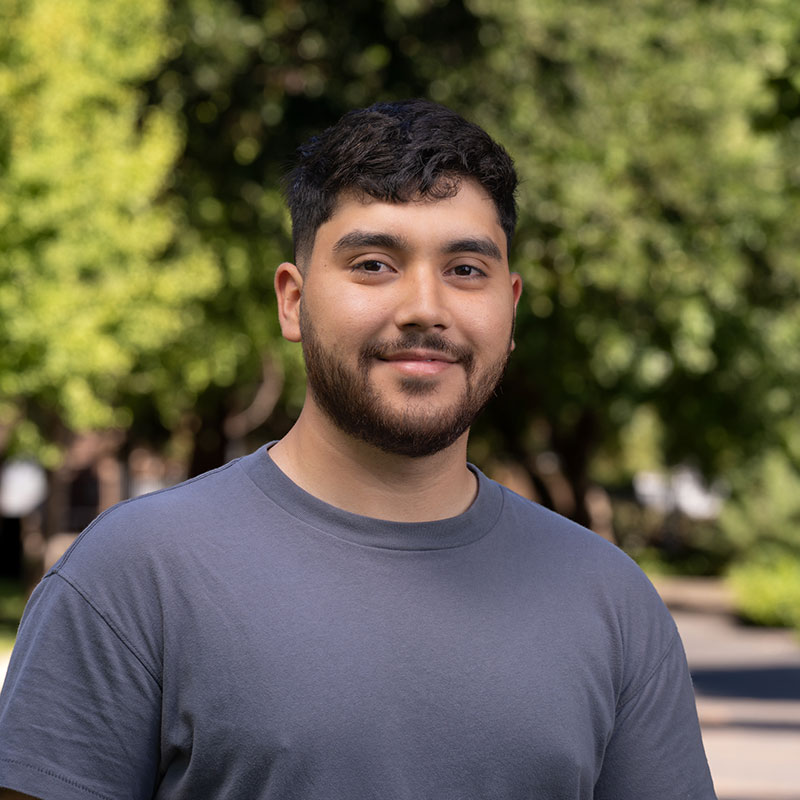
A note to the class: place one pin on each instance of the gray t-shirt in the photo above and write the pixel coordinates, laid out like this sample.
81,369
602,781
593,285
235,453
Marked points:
235,637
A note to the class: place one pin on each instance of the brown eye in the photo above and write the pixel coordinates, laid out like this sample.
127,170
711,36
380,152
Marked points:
370,265
467,271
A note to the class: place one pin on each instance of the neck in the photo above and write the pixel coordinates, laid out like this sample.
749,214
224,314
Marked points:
357,477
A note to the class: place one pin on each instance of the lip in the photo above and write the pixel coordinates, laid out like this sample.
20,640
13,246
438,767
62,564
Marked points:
419,362
419,355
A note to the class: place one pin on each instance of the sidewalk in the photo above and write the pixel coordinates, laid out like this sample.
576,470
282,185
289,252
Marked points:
747,682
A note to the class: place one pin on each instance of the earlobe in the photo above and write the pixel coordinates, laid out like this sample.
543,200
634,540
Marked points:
289,292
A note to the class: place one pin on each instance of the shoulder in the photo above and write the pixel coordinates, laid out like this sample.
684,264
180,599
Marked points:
595,590
167,516
146,547
142,556
196,497
584,569
558,538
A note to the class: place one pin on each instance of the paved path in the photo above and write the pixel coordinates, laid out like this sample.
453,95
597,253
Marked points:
747,682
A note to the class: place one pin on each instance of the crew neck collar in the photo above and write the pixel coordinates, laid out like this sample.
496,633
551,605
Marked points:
458,531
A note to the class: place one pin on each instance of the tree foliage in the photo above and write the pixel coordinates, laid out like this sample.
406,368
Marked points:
142,215
98,272
657,237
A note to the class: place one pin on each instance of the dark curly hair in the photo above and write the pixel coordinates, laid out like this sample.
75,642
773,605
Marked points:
395,152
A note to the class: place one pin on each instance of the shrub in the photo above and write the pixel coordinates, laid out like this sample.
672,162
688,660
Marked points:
767,592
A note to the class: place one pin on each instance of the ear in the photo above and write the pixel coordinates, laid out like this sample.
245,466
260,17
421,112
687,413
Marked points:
516,287
289,292
516,292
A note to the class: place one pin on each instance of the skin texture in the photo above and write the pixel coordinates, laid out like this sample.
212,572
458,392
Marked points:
406,310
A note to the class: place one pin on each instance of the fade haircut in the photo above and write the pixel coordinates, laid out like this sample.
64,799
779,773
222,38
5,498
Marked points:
396,152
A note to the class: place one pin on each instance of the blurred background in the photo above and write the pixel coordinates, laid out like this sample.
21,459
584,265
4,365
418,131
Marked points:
652,395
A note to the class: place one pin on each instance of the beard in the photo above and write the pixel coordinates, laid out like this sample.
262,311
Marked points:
351,401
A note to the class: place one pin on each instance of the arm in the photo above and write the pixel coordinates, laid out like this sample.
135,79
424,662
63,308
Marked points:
10,794
79,714
656,750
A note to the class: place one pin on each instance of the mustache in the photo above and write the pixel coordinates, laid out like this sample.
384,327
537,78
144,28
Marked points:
416,340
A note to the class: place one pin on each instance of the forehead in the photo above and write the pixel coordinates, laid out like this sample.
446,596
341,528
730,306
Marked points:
469,214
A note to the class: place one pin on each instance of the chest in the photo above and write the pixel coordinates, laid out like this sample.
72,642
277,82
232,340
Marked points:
420,678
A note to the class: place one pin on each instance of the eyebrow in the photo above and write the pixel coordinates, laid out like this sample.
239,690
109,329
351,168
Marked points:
371,239
354,239
481,246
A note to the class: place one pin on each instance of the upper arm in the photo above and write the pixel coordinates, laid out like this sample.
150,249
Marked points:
79,713
656,750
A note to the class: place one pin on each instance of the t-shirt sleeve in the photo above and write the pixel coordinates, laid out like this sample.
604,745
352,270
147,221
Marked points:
656,751
79,711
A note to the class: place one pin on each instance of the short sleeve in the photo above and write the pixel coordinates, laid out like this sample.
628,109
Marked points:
656,750
79,711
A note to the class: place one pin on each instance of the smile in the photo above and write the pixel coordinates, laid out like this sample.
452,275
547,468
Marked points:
420,363
418,355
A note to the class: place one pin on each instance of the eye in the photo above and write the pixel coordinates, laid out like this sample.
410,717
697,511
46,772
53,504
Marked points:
371,265
467,271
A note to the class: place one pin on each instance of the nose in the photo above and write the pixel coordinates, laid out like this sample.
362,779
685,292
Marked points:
422,300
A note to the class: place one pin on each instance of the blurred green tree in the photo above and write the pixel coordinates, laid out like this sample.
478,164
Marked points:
658,239
99,272
655,238
657,145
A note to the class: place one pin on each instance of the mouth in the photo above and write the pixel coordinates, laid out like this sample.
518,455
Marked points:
418,355
418,362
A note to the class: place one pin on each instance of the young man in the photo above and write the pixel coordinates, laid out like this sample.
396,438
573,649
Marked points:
355,612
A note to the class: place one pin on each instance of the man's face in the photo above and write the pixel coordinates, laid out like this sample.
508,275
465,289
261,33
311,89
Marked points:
406,318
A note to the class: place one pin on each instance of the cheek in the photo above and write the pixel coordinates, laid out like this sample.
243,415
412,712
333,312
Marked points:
343,318
489,331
